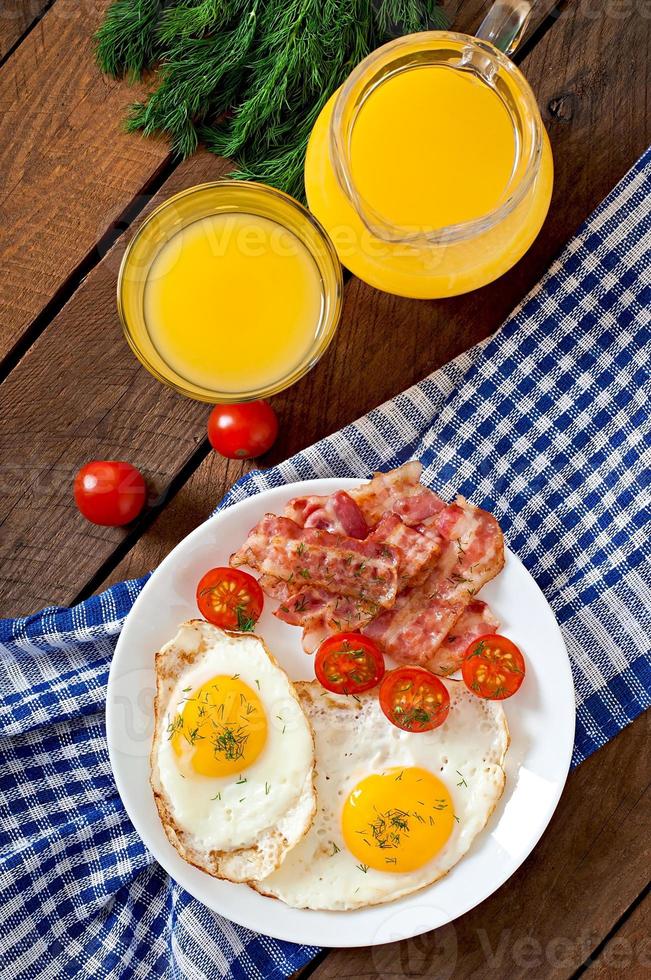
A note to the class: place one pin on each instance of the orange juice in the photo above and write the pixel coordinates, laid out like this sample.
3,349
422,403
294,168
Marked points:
417,143
430,169
230,291
233,300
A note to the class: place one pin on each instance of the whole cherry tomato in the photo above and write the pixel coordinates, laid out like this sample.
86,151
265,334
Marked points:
110,492
243,430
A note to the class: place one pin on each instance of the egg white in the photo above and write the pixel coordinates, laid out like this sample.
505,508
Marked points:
354,739
273,798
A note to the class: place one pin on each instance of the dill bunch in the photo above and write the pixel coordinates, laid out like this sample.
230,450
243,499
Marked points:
248,77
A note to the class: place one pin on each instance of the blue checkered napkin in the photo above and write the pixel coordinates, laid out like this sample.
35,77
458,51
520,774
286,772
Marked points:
547,424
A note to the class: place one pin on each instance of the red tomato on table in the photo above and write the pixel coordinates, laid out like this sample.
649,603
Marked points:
348,663
243,430
110,492
493,667
230,599
414,699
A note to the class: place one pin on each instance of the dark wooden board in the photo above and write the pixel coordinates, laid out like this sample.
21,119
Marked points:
79,394
628,952
68,171
16,17
591,863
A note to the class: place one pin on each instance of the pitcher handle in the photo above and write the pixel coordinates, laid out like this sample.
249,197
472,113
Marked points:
504,24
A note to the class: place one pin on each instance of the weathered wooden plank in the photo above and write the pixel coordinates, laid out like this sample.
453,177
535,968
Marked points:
628,951
67,169
591,863
80,394
16,16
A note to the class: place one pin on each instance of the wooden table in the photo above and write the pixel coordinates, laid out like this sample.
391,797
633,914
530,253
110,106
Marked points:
74,188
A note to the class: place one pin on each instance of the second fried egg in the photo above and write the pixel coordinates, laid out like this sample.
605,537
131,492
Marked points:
396,810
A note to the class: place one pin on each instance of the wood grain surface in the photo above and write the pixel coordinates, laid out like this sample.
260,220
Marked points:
67,170
627,953
16,17
590,865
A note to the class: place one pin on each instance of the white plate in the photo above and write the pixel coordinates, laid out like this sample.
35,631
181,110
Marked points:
540,717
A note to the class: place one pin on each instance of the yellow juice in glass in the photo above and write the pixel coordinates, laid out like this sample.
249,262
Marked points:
230,291
430,169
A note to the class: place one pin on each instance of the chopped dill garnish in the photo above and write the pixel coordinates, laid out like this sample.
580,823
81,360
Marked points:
245,624
230,742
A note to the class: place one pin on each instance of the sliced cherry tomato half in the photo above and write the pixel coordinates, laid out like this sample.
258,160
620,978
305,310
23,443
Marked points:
493,667
349,663
110,492
414,699
230,599
243,430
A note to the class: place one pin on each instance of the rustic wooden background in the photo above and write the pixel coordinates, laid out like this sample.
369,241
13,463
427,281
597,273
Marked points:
73,189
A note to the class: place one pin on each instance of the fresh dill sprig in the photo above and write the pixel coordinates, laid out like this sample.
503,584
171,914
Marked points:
248,77
127,41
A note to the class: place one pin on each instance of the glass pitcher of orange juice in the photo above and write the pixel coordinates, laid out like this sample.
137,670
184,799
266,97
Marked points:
430,168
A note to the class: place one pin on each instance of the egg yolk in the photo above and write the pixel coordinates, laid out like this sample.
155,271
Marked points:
397,820
219,728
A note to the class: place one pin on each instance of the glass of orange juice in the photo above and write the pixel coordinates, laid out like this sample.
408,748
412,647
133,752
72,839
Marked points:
430,168
230,291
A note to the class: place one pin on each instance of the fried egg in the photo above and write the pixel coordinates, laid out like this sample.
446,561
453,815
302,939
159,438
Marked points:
396,810
233,755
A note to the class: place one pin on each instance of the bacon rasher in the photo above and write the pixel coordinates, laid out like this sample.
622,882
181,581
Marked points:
475,621
473,553
397,492
321,613
337,513
294,558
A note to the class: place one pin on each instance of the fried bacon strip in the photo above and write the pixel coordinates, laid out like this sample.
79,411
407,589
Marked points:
321,613
291,558
397,492
337,513
473,553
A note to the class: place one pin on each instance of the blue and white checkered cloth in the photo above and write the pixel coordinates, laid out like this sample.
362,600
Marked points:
547,424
